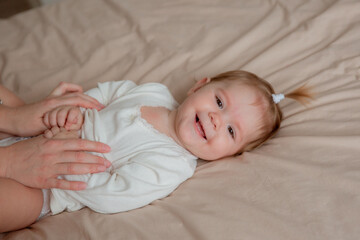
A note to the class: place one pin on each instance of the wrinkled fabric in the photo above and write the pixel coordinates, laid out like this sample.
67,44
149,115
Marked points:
304,183
146,164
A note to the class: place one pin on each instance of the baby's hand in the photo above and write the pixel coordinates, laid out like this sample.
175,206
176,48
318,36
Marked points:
68,117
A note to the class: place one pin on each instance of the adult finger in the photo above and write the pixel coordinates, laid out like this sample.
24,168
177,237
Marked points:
66,185
65,87
86,99
70,87
79,168
75,99
82,145
83,157
80,95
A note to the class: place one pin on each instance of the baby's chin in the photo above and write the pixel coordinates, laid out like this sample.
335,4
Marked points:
210,158
216,158
207,156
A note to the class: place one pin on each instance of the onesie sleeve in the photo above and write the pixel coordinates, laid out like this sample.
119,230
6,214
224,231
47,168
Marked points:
107,92
133,185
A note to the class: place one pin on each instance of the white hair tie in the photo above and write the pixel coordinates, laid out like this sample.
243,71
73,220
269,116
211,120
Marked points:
277,97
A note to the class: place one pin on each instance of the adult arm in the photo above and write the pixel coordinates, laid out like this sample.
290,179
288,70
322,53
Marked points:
27,119
37,162
8,98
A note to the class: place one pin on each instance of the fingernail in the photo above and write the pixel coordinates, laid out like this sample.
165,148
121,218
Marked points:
107,163
106,148
82,186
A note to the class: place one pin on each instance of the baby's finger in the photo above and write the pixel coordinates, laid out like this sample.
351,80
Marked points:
71,118
53,118
55,130
48,134
62,116
46,120
74,114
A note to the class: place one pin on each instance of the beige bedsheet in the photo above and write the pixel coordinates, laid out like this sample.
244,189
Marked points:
302,184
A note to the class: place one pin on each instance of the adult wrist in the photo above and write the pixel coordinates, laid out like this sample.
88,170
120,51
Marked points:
8,119
4,162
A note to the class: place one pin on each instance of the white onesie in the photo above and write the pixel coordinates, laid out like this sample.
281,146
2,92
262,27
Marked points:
146,164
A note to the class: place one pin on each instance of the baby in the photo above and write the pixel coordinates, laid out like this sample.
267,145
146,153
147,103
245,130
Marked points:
155,142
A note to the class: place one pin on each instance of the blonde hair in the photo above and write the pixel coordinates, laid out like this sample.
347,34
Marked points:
272,115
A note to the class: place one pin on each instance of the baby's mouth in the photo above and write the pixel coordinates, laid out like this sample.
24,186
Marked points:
199,126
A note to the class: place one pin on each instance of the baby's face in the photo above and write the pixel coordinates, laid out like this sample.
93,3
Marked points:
217,119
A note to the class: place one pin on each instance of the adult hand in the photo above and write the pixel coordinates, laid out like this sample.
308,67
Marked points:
64,88
27,120
37,162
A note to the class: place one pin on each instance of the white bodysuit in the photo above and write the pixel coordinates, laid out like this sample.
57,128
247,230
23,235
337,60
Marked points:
146,164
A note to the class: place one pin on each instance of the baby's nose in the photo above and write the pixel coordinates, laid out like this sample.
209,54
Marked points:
215,120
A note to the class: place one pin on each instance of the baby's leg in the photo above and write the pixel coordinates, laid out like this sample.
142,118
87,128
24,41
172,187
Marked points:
20,206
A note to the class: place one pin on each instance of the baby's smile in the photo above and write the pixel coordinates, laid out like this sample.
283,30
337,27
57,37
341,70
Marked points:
199,127
216,119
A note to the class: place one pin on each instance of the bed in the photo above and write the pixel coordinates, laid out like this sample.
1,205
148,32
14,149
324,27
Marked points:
302,184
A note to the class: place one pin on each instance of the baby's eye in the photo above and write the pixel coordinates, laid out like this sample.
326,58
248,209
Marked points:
231,131
219,102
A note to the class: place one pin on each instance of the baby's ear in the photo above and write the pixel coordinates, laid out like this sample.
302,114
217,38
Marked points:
199,84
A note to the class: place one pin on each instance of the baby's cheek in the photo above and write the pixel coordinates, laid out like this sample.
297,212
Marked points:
222,148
